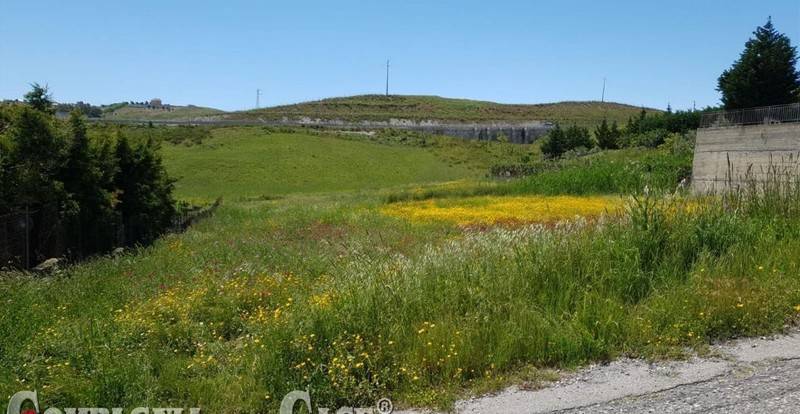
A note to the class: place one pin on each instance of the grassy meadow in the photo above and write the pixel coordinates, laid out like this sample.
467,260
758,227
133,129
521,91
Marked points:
362,267
254,162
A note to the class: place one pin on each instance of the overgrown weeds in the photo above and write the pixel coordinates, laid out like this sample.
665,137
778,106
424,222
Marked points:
245,307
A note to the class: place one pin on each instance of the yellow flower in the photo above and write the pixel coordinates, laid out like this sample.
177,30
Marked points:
797,308
493,209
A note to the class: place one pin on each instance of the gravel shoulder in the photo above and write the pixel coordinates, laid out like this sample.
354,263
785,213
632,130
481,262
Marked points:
745,376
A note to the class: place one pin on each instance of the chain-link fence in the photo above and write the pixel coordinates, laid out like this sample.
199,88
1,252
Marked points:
777,114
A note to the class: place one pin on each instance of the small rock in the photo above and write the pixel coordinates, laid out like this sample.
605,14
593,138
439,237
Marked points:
48,265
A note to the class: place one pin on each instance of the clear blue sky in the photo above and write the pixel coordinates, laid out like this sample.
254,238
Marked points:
217,53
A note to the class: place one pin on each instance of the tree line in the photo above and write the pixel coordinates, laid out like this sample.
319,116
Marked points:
765,74
644,130
80,196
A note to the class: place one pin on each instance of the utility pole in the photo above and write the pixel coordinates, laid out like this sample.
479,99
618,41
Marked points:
258,98
603,96
387,77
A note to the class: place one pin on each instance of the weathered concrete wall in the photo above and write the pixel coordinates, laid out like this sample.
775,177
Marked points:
519,133
725,157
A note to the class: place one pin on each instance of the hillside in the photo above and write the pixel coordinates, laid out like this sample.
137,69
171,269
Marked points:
248,162
383,108
176,113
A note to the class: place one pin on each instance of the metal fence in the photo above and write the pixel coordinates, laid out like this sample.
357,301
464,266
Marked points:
777,114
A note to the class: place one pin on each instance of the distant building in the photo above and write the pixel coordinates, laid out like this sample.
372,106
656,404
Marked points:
156,103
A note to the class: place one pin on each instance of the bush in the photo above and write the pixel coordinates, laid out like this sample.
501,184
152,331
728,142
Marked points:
559,141
610,173
649,139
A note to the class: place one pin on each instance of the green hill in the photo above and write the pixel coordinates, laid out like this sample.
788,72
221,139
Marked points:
247,162
383,108
128,112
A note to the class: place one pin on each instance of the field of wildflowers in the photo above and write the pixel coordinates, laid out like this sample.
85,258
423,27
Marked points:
357,299
510,210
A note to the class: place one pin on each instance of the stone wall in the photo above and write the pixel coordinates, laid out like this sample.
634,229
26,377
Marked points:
726,157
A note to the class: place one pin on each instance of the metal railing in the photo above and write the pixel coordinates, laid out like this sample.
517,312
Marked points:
776,114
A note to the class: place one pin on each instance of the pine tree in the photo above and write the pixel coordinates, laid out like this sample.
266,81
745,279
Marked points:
90,211
145,191
555,144
765,73
607,137
616,133
39,98
578,137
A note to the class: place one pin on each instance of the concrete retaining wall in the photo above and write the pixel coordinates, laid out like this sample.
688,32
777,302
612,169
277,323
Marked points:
724,158
518,133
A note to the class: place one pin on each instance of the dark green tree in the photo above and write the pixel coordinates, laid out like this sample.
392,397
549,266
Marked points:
555,144
31,180
765,73
578,137
90,213
39,98
145,191
615,132
607,136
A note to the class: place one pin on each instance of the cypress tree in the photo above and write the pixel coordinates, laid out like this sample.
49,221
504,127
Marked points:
90,209
765,73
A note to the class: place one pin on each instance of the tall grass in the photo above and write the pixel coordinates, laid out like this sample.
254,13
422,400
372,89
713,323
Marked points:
627,171
328,294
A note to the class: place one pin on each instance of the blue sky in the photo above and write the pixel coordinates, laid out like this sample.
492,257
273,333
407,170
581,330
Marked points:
218,53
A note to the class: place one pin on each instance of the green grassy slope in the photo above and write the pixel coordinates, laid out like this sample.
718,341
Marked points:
326,292
329,294
381,108
178,113
251,162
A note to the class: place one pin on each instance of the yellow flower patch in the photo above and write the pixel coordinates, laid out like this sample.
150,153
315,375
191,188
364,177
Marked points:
493,210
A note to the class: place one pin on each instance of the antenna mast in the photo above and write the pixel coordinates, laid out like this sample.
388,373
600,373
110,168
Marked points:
603,96
387,77
258,98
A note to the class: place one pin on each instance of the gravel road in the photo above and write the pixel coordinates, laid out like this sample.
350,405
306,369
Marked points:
747,376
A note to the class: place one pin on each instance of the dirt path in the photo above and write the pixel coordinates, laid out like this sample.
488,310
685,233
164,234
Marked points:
749,376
